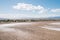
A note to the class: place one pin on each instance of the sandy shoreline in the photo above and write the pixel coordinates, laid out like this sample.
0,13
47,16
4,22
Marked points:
28,31
6,26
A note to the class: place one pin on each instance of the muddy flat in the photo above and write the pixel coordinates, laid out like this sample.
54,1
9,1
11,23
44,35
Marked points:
30,31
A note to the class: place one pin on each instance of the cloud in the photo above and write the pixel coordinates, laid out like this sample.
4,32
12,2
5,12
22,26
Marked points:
29,7
22,16
55,10
19,16
13,16
39,10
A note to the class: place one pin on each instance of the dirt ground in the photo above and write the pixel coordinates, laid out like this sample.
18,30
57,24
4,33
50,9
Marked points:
30,32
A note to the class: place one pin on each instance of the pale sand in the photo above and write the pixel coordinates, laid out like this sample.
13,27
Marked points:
28,31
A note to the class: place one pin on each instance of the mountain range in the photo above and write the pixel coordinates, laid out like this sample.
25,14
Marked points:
53,18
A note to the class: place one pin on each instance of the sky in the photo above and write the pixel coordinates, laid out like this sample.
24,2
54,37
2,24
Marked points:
17,9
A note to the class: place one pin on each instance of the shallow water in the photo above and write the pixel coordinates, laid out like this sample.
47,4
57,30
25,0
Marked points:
53,26
56,23
6,27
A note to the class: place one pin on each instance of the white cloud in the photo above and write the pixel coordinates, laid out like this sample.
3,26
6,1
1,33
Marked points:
13,16
22,16
55,10
28,7
40,10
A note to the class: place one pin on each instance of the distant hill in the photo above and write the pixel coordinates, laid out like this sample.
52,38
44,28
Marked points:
49,18
58,17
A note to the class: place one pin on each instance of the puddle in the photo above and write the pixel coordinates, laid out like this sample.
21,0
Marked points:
5,27
52,28
56,23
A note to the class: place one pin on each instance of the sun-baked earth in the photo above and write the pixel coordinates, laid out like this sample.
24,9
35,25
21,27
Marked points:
32,31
